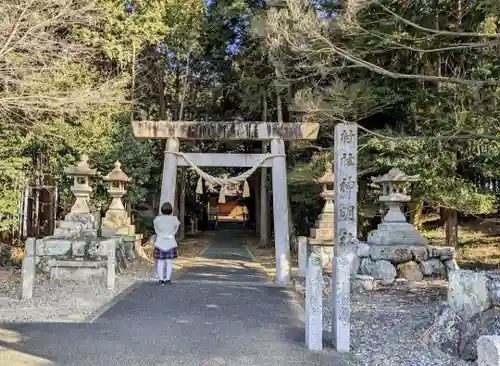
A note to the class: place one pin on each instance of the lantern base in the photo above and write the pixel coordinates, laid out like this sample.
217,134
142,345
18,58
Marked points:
391,233
76,225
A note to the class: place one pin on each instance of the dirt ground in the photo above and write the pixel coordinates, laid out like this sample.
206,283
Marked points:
478,249
478,244
190,247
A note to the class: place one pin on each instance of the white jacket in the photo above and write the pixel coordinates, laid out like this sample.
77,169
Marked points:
166,227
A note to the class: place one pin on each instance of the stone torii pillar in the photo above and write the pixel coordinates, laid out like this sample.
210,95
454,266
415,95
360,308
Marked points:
169,176
280,209
274,132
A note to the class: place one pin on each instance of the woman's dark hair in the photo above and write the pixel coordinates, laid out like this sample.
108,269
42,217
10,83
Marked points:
166,208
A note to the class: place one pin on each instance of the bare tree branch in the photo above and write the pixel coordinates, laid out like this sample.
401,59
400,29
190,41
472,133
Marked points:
38,50
436,31
300,29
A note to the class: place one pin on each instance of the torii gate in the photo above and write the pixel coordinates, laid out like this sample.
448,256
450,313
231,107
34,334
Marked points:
274,132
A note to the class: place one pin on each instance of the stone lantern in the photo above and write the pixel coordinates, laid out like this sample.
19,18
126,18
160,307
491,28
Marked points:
81,189
322,235
116,180
326,182
394,230
116,216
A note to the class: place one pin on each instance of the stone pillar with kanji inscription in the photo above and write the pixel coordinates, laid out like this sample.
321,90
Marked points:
345,229
345,187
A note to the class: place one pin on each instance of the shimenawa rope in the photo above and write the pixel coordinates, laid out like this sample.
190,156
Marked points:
224,182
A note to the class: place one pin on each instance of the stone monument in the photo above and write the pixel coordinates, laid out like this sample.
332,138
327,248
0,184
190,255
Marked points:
345,231
314,303
116,221
394,230
28,274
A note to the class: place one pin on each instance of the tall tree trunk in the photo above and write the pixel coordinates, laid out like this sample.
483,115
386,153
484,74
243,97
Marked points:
38,184
279,107
161,93
279,102
177,89
132,94
264,107
163,107
184,87
452,214
289,102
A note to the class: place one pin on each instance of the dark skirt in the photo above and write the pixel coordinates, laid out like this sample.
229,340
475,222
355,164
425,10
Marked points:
161,254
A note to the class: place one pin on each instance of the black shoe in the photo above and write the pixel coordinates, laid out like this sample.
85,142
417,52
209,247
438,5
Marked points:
168,281
162,283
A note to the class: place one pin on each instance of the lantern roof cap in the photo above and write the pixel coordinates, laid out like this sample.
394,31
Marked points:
81,168
395,176
328,176
117,174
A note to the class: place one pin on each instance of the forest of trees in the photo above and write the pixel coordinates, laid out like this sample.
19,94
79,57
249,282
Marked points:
419,77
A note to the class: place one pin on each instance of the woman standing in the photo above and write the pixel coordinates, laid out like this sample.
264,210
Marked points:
166,226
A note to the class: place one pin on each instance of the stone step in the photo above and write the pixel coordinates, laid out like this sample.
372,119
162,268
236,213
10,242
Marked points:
322,242
326,216
72,233
74,270
321,233
324,224
69,225
79,263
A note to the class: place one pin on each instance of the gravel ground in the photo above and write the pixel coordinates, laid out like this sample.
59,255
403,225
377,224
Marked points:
62,301
70,301
387,325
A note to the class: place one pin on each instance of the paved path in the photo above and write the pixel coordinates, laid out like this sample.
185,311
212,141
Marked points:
220,312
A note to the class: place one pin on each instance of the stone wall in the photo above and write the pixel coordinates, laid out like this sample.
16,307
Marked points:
79,259
472,310
414,263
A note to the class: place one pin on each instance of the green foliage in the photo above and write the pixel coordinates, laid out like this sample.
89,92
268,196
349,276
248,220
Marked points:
420,68
385,65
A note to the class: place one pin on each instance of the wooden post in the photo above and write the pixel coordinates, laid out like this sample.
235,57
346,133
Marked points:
257,205
182,207
280,209
264,206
